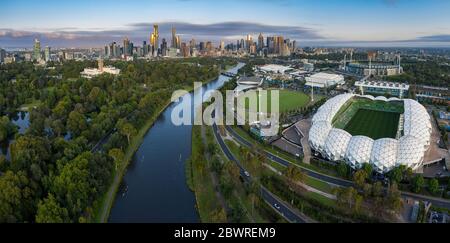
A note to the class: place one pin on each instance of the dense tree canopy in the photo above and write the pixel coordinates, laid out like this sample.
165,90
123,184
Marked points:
79,129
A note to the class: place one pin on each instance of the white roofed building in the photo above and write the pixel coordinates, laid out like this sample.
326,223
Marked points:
324,80
274,68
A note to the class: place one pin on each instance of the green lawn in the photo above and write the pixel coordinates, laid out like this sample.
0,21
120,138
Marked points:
373,124
289,100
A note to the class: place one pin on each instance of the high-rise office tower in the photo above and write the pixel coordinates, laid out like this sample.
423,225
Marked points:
260,41
154,39
202,46
145,48
185,50
278,45
222,45
178,39
106,51
252,48
47,54
192,44
270,44
242,44
248,42
37,50
114,52
174,38
126,47
164,47
209,46
2,55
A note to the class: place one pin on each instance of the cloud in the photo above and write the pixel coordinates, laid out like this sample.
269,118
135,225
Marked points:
228,31
434,38
138,32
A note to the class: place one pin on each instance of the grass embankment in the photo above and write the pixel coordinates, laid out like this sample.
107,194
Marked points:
200,181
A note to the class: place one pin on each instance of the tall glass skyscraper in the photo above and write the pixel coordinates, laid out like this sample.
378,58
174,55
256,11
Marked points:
37,50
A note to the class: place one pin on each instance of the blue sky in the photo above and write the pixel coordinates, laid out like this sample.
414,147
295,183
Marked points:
320,22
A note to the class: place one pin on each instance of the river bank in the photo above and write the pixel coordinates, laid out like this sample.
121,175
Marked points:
154,189
104,206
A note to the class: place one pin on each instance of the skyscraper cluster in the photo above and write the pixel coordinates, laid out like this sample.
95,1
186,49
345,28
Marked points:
175,47
272,45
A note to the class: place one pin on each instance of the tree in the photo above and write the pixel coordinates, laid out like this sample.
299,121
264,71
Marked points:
128,130
343,170
294,176
16,197
396,175
433,186
76,123
117,155
360,178
358,202
417,183
393,199
368,168
346,197
367,190
72,188
28,150
49,211
377,190
7,128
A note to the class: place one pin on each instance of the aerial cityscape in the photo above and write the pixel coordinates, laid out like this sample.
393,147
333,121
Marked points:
294,112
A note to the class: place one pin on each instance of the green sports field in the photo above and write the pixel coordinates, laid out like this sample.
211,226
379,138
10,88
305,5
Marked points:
289,100
373,124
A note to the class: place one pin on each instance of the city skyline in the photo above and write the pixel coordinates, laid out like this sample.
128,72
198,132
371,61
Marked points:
312,23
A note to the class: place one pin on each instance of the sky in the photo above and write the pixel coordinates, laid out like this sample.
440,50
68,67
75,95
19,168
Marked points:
94,23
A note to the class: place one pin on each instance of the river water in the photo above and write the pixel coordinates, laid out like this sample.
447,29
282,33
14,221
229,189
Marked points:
154,189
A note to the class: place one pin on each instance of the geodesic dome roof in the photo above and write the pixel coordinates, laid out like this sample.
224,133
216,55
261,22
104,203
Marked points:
358,151
409,152
328,110
318,134
336,144
417,122
384,154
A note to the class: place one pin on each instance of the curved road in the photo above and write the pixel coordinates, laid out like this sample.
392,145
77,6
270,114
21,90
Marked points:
333,180
282,208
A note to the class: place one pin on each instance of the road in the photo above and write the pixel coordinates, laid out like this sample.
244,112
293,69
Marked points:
281,207
333,180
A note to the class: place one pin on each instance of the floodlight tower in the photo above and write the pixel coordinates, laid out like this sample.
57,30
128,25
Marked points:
399,63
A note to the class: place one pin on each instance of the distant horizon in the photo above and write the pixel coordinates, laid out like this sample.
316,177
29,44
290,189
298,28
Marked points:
327,23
